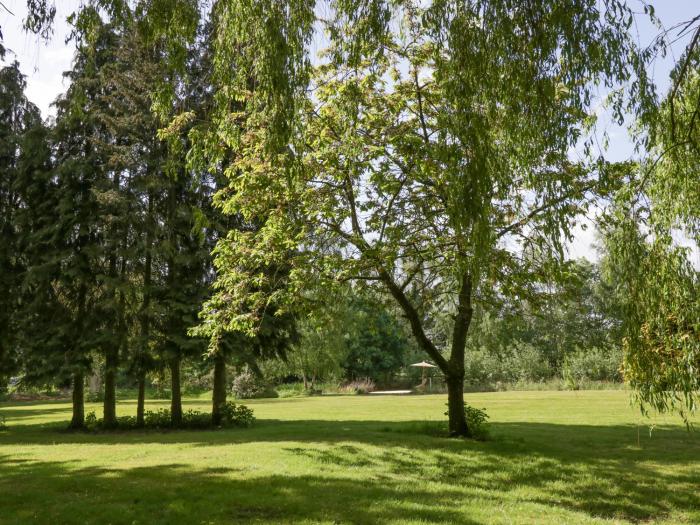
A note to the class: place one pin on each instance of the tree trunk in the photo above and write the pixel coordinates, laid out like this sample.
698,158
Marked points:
145,315
455,406
141,402
110,400
454,375
219,394
112,348
453,369
176,395
78,421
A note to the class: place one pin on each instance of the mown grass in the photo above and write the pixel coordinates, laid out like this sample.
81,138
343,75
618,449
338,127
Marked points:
553,457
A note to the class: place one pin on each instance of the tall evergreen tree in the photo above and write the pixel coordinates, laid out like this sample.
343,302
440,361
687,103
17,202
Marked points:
75,263
24,166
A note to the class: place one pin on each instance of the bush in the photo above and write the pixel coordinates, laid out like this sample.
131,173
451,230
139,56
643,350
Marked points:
249,386
477,421
530,364
292,390
594,364
237,415
234,415
359,386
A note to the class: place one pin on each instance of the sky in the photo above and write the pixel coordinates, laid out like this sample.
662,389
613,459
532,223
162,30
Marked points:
43,65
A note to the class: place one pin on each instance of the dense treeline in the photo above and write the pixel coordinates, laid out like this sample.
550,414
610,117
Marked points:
108,230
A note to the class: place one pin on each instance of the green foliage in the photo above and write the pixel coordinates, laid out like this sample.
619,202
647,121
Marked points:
593,364
234,415
522,363
658,290
24,159
477,422
376,345
248,385
237,415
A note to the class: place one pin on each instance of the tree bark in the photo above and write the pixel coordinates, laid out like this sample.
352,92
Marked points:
112,347
457,424
110,399
453,369
78,421
141,402
454,375
219,394
176,395
145,314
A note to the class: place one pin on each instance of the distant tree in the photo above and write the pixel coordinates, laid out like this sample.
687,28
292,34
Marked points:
376,344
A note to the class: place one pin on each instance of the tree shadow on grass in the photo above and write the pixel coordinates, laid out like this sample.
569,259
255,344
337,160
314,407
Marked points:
178,494
15,414
610,472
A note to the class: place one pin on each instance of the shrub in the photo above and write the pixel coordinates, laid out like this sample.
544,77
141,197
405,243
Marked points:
237,415
359,386
292,390
233,416
477,421
157,419
247,385
593,364
529,364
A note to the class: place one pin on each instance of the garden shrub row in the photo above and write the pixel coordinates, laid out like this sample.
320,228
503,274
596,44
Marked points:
233,415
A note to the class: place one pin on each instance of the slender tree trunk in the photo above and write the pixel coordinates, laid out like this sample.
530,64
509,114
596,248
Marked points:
219,394
110,399
145,316
112,348
141,402
453,369
176,395
454,375
78,421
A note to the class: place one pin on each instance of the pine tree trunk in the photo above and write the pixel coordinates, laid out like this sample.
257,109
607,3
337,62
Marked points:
176,395
141,402
112,349
145,314
78,421
110,399
219,394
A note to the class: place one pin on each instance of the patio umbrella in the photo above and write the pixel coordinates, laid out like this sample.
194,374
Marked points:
423,365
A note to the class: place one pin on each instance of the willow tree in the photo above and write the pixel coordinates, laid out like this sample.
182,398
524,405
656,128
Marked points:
656,221
423,151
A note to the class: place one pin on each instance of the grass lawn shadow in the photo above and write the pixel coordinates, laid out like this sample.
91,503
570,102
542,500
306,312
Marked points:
600,471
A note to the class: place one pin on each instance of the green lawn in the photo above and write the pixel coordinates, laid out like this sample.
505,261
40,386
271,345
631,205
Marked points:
554,457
